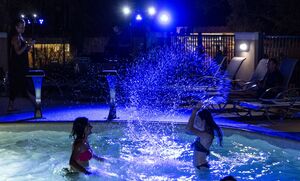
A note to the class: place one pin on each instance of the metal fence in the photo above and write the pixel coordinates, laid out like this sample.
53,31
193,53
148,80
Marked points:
225,42
277,46
207,42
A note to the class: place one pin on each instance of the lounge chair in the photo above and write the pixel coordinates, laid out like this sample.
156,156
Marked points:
264,104
232,70
222,62
284,104
217,93
245,90
234,67
258,75
193,94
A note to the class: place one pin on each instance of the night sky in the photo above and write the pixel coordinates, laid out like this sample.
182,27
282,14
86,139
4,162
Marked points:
96,17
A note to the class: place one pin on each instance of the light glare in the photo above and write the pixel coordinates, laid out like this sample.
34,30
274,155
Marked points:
243,47
138,17
164,18
126,10
41,21
151,11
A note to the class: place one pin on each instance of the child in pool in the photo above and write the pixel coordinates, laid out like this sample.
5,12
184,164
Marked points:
81,150
202,125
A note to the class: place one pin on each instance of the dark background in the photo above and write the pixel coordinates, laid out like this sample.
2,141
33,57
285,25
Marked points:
96,17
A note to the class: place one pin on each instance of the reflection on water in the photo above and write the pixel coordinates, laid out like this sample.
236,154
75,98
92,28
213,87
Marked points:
39,155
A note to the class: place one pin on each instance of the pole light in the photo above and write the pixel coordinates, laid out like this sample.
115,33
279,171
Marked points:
151,11
41,21
126,10
164,18
139,17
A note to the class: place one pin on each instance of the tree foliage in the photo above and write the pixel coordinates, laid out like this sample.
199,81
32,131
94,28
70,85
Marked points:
270,16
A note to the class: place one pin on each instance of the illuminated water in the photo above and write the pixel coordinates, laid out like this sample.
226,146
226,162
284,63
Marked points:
164,78
35,152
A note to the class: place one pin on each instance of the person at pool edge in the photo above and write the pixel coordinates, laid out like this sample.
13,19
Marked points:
18,65
81,150
202,124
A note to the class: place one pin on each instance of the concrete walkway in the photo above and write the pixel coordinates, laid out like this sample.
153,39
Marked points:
68,111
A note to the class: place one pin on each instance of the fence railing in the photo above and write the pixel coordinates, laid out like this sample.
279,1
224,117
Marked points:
277,46
209,43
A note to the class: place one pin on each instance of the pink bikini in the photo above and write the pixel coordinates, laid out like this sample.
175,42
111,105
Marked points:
85,156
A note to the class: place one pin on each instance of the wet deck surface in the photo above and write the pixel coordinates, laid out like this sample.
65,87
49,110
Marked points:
67,112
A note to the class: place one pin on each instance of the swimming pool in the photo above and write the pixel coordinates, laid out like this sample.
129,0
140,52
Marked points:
160,152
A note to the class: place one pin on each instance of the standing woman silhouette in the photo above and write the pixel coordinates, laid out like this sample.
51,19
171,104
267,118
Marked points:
18,64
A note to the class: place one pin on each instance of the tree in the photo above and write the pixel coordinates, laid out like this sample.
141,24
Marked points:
270,16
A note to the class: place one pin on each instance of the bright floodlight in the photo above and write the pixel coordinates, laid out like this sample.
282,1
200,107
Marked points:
164,18
151,11
34,15
244,47
126,10
22,16
138,17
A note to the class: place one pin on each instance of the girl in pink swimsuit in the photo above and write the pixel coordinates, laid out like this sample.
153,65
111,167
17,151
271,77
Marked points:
81,150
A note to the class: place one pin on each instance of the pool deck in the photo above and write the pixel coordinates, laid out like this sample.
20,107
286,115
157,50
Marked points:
67,112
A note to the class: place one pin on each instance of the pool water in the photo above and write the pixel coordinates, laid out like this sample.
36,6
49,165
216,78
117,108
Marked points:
160,152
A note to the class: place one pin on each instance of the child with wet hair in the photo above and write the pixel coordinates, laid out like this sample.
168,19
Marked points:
81,150
202,124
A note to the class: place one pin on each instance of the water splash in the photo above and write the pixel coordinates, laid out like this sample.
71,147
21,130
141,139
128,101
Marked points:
166,78
160,82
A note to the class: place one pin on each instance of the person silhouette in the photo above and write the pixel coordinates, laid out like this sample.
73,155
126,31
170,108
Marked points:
18,65
81,150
